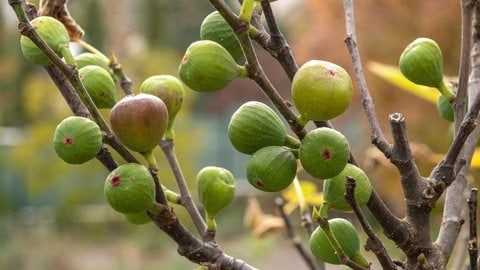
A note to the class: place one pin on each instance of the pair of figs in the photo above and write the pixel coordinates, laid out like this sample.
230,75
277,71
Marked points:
346,235
55,35
255,129
321,90
216,190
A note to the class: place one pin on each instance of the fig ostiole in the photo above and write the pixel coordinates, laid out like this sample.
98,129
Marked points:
254,125
324,152
321,90
130,189
215,28
216,190
139,121
170,90
346,236
422,63
99,85
207,66
77,139
272,168
55,35
334,189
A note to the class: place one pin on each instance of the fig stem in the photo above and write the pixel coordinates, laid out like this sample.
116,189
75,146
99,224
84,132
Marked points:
243,72
67,55
291,142
246,10
446,92
211,224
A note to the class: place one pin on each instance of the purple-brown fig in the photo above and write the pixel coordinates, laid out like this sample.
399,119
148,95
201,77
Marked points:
139,121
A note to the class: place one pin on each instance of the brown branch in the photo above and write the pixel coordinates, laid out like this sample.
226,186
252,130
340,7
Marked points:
473,241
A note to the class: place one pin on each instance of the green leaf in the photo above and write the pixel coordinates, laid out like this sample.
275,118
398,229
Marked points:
393,75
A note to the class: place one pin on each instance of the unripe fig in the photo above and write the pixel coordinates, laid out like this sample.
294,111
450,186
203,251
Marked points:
55,35
207,66
214,27
138,218
422,63
255,125
271,168
99,85
130,188
169,89
77,139
139,121
334,188
87,58
445,109
321,91
324,152
216,189
346,235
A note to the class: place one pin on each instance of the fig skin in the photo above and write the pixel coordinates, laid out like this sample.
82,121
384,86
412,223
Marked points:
334,188
87,58
215,188
77,140
445,109
253,126
139,218
99,85
321,90
169,89
130,188
215,28
53,32
346,235
271,168
207,66
139,121
324,152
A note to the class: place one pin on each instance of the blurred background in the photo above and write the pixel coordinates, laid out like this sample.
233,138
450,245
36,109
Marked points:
54,216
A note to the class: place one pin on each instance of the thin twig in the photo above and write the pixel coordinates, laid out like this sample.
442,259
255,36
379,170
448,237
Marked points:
473,241
297,243
373,243
167,147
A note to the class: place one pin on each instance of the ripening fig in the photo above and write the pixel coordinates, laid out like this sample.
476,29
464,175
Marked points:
216,190
99,85
207,67
55,35
87,59
271,168
422,63
324,152
130,189
255,125
321,91
77,139
445,109
334,188
170,90
139,121
347,237
214,27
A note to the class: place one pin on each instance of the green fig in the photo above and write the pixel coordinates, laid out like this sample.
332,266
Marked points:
215,28
139,121
334,188
207,67
216,190
255,125
99,85
169,89
77,139
55,35
324,152
138,218
271,168
445,109
422,63
87,59
347,237
130,189
321,91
